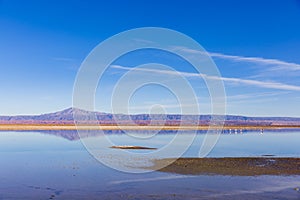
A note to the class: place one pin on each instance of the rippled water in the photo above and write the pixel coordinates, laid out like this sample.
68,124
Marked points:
56,165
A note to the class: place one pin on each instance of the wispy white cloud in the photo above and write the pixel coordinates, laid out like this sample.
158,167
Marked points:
262,84
257,83
158,71
255,95
275,63
67,63
258,60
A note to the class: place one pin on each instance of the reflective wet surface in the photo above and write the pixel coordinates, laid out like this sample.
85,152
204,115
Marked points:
47,165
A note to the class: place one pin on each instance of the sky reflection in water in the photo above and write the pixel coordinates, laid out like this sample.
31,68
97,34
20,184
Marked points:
37,165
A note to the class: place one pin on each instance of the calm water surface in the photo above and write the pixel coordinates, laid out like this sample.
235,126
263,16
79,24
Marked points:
56,165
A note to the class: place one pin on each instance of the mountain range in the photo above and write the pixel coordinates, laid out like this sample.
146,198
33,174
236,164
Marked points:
66,117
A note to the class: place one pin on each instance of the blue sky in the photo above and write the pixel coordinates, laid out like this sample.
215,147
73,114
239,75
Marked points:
255,45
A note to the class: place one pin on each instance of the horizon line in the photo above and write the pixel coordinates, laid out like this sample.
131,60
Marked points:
204,114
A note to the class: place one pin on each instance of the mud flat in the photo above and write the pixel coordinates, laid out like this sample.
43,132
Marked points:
250,166
132,147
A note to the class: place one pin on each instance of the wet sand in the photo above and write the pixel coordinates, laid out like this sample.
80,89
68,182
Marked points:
29,127
250,166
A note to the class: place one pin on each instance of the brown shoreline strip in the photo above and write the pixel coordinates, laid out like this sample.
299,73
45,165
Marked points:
133,147
28,127
241,166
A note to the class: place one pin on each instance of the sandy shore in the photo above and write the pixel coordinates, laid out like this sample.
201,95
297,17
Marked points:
250,166
22,127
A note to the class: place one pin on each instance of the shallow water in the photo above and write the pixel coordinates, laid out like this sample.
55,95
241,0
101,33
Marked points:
47,165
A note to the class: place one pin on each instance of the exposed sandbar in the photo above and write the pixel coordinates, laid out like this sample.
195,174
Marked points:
248,166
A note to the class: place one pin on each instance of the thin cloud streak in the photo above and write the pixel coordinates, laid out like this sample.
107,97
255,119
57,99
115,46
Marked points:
158,71
255,95
257,60
262,84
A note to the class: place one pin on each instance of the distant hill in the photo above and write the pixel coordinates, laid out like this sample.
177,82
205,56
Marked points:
66,117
